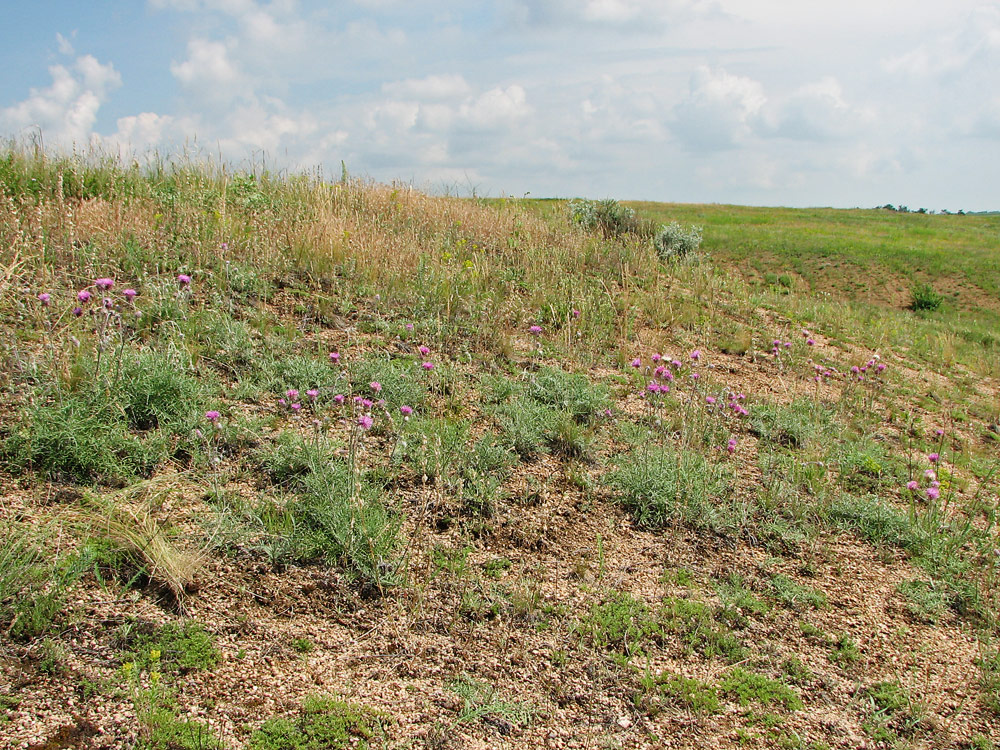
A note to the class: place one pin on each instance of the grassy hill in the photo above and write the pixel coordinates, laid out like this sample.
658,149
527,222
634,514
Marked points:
293,465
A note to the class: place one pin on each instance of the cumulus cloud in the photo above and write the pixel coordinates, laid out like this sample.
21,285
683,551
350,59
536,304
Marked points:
497,108
210,73
815,112
720,111
66,111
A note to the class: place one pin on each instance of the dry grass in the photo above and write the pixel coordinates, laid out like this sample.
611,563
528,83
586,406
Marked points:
127,520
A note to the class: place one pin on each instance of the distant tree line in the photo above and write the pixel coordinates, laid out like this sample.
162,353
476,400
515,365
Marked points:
906,210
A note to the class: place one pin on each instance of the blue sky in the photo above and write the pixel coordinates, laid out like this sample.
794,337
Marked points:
855,103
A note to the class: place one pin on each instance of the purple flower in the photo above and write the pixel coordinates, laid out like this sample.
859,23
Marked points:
313,394
409,326
406,410
108,303
933,458
788,344
45,298
296,407
291,394
576,313
696,355
224,246
933,493
339,398
810,342
912,485
365,422
183,279
695,376
676,364
83,295
709,400
653,388
104,284
212,416
77,312
855,369
535,330
930,474
636,362
367,403
656,358
130,294
939,432
424,351
427,365
335,357
375,386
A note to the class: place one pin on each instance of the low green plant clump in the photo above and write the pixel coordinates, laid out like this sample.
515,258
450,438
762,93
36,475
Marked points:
678,690
661,486
750,687
323,723
174,648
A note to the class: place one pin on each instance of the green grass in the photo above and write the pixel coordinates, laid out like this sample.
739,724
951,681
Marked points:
662,486
752,688
322,723
173,648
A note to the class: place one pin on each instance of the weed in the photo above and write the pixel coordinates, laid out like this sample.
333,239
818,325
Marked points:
288,460
923,298
173,648
621,623
844,651
663,486
322,722
33,584
303,645
924,601
695,695
750,687
572,393
699,631
793,426
989,679
480,702
341,519
894,713
673,242
796,672
738,603
793,594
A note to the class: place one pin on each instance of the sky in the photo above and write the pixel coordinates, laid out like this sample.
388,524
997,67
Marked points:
758,102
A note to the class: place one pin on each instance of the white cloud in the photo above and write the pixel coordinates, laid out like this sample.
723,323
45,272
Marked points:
66,111
433,88
719,111
496,108
816,112
65,46
209,72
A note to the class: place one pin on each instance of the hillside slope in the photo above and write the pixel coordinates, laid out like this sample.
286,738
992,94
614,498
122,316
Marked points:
293,465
